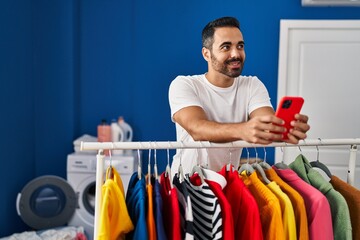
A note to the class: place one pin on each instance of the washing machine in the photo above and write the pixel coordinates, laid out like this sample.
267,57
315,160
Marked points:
50,201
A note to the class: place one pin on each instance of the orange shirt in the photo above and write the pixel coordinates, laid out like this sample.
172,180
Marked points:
150,220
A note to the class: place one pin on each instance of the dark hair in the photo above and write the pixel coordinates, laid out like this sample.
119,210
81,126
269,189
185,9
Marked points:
209,29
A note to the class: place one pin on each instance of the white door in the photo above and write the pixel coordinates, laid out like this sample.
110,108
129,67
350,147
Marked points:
320,61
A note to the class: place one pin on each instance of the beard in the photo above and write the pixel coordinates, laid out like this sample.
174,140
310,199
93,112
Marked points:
225,67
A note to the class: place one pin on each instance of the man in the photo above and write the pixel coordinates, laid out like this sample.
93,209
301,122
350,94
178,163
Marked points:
223,106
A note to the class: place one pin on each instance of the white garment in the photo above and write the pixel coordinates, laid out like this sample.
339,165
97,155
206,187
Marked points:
225,105
61,233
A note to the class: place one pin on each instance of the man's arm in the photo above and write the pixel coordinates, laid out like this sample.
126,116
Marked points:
259,129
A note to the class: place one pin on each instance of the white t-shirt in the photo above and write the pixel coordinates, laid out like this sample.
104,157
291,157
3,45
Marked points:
224,105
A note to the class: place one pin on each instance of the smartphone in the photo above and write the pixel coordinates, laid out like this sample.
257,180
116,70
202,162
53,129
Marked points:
287,108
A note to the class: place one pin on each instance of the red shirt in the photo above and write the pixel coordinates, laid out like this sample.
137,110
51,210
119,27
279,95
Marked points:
171,213
245,211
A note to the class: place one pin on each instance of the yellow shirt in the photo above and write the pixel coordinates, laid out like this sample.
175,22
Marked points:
269,207
297,201
115,221
287,210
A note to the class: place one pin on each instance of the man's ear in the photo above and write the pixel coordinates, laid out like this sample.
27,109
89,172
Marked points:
206,53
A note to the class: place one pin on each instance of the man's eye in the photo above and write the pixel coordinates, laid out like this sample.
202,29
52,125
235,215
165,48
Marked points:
225,47
240,46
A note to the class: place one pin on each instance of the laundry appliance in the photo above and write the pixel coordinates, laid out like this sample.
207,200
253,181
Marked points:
51,201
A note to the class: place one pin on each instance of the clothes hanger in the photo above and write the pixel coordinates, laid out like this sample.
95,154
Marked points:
198,169
247,166
139,165
263,163
180,168
149,166
110,169
259,169
206,173
168,169
212,175
156,173
282,165
319,164
230,166
207,156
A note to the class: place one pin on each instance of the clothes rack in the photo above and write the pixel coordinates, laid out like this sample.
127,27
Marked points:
101,146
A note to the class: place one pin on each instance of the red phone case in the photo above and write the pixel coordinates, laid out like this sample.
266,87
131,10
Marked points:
287,108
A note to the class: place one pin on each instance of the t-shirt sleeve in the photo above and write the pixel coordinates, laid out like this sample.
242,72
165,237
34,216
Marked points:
259,95
182,93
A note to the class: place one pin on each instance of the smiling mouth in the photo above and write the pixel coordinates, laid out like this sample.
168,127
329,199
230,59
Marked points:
234,64
233,61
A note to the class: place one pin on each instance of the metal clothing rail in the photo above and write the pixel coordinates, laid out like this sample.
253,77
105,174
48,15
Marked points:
205,144
352,142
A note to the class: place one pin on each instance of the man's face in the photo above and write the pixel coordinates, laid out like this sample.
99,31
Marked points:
228,54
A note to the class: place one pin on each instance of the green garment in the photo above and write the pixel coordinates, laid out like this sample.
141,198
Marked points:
339,209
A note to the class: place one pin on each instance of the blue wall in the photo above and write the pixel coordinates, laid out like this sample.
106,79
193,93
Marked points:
66,64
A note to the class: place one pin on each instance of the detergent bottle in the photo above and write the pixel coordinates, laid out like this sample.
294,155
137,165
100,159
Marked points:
127,131
117,135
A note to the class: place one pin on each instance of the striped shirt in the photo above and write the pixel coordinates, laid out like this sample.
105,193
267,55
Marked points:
206,211
185,206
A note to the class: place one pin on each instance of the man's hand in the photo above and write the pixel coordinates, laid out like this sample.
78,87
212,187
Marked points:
263,129
300,127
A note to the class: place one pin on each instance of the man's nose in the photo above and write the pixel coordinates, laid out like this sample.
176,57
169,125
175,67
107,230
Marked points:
235,53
